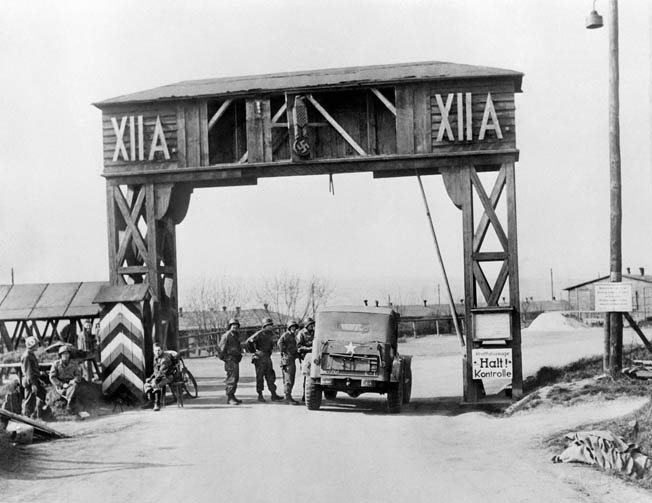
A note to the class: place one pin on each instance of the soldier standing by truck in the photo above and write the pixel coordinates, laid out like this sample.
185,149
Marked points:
287,344
230,352
304,346
262,344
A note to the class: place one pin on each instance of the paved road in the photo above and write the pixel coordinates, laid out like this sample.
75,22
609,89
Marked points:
348,451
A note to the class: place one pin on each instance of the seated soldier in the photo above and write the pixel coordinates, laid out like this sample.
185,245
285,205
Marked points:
65,375
165,372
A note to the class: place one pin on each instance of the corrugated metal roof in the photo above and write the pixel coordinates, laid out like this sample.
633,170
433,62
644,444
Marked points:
630,277
315,79
48,300
122,293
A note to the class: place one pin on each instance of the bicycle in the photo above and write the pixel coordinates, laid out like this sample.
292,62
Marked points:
187,381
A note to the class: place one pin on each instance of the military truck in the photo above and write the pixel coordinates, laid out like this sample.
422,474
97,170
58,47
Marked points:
355,351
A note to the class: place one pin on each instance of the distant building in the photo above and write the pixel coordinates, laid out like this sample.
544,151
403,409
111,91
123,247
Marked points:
199,330
417,319
582,296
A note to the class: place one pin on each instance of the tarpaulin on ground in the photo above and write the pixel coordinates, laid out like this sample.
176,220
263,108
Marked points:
604,449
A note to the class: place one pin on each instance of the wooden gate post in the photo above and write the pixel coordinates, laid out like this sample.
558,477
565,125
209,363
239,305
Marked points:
142,223
465,188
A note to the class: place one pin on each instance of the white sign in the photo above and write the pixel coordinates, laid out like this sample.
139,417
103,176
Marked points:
492,363
613,297
492,326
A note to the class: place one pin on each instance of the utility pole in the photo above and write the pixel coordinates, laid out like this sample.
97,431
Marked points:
615,319
613,342
552,287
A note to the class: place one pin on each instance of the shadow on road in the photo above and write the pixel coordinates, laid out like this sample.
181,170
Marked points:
47,468
437,406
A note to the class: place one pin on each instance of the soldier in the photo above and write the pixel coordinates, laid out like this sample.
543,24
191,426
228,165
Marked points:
229,351
304,346
287,344
165,371
32,384
65,376
261,344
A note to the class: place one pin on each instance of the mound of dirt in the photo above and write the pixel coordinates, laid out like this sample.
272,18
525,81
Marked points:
554,322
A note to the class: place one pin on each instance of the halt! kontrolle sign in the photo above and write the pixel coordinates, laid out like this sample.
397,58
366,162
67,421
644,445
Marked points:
492,363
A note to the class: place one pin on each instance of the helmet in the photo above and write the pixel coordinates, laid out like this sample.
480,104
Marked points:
292,323
233,321
267,321
31,342
64,349
309,322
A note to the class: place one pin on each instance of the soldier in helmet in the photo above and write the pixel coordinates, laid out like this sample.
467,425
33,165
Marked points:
229,351
34,400
287,344
262,344
305,337
65,375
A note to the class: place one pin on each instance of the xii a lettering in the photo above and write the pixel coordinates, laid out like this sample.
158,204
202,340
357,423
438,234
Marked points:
464,109
137,146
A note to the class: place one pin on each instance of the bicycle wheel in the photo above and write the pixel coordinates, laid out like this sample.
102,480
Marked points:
189,384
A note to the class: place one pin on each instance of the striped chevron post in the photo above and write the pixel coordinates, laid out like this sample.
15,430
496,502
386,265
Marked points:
122,344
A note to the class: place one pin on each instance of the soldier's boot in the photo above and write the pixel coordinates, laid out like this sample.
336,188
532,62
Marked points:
260,397
275,397
157,402
232,400
39,413
289,400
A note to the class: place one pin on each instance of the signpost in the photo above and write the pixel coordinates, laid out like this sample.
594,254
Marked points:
613,297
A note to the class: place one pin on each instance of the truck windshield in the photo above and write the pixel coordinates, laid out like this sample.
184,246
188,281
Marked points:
353,327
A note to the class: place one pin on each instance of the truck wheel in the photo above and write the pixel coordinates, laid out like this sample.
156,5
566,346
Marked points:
395,395
407,386
313,395
330,394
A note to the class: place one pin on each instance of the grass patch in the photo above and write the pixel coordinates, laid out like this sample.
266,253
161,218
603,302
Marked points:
577,383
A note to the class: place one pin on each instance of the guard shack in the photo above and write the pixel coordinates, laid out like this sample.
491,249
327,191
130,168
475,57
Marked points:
431,118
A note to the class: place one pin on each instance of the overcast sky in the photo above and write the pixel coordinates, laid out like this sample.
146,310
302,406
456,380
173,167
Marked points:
60,57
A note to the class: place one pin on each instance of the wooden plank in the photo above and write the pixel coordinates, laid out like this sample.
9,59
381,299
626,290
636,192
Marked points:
6,340
259,133
481,280
483,226
404,120
39,428
203,134
489,209
422,119
336,126
151,253
514,295
384,101
490,256
220,112
471,389
638,331
193,140
181,136
499,285
372,146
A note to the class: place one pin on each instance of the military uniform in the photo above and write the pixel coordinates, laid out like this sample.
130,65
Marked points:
287,344
65,377
262,344
230,352
305,339
164,373
32,384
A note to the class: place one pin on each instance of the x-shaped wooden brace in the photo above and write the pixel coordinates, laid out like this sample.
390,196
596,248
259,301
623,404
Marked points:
130,218
489,203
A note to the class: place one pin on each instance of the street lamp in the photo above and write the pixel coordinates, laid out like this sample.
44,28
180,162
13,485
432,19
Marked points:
613,359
